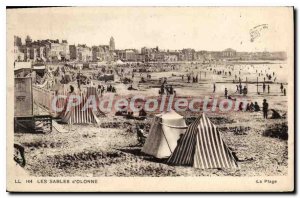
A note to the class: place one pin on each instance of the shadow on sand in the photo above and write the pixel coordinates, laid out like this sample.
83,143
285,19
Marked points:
136,151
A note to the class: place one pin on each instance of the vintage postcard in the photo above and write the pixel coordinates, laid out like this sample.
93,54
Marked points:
150,99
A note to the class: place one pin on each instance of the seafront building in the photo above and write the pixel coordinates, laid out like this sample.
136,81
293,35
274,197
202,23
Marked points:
50,50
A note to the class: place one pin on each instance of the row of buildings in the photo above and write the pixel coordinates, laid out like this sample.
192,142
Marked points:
40,50
56,51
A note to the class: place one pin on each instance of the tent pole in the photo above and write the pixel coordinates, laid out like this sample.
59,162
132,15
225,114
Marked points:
167,141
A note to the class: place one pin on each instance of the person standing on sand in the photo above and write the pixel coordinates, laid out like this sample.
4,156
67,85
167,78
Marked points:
162,89
245,91
265,108
214,88
71,89
268,89
264,87
237,89
256,107
281,87
78,80
171,90
284,92
226,93
241,88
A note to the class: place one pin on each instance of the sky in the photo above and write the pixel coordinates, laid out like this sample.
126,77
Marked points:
210,28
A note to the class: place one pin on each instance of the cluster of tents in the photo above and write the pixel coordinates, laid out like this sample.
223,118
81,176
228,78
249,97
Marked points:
199,145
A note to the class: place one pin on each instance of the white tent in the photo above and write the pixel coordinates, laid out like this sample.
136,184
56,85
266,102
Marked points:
164,133
119,62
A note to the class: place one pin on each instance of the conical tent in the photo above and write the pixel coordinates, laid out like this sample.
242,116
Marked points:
92,91
79,114
164,133
202,147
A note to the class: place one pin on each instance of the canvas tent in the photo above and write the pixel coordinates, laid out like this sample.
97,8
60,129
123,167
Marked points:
202,147
106,77
77,114
92,91
119,62
164,134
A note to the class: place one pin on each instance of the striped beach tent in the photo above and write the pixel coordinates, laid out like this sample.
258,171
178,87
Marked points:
165,131
202,147
92,91
78,114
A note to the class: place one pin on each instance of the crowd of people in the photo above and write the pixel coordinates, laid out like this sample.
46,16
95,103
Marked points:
166,89
243,89
192,76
